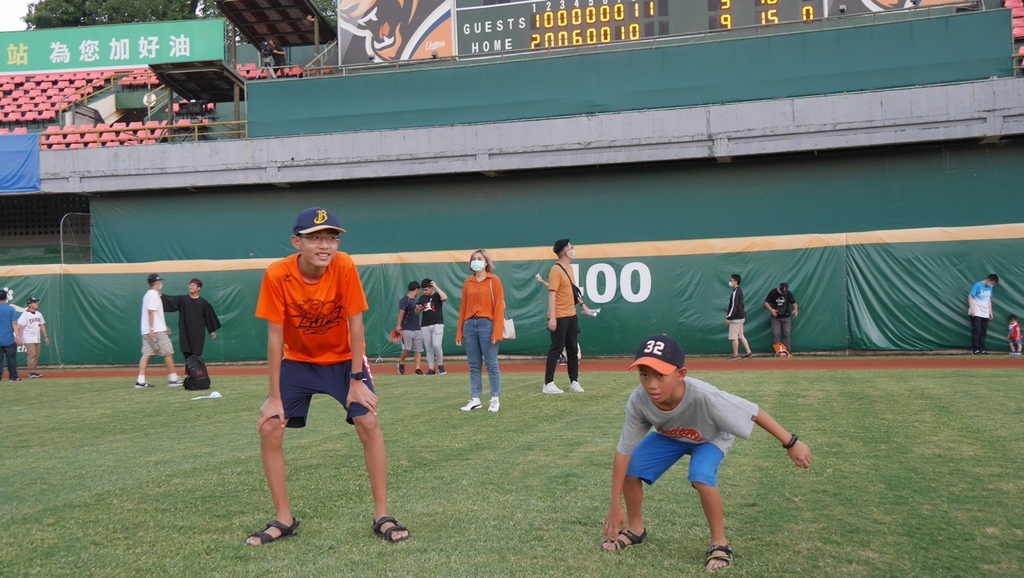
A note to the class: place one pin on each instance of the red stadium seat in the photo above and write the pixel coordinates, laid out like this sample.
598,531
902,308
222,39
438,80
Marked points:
19,130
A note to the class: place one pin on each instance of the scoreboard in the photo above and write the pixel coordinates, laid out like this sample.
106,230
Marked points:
494,26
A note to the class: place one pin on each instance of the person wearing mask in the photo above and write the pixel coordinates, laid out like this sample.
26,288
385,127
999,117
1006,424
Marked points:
480,326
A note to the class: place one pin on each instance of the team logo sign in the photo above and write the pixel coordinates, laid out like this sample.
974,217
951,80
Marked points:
400,29
321,217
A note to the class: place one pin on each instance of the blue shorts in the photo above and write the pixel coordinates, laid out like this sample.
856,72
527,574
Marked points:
656,453
299,381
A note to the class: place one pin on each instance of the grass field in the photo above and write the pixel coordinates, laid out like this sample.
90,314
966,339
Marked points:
916,473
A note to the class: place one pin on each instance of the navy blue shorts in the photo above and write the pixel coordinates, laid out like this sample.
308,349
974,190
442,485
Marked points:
299,381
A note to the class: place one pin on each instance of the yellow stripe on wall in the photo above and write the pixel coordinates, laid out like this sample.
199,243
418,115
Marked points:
599,251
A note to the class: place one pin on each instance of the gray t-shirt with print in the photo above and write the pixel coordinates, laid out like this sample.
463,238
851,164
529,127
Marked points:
705,414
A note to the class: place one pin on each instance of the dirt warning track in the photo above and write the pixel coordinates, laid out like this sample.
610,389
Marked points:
697,363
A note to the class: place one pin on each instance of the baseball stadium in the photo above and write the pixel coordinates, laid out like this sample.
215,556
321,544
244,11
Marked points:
867,153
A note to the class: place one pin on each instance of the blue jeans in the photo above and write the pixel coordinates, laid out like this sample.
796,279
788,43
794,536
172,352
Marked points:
476,336
11,353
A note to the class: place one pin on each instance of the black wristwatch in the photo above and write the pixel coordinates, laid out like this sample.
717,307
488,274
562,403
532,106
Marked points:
360,375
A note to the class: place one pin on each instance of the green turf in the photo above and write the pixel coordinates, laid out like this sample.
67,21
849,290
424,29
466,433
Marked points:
916,473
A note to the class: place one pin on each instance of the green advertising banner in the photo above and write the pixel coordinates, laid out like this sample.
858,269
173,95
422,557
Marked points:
111,47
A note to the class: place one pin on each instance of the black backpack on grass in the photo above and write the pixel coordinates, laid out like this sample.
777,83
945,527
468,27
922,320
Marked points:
195,374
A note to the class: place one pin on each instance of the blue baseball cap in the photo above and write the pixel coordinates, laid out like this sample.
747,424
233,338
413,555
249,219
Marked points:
661,353
315,219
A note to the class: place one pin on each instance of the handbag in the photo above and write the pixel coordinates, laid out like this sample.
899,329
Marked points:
508,328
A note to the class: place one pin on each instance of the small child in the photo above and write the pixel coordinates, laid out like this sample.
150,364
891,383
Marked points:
1014,336
689,417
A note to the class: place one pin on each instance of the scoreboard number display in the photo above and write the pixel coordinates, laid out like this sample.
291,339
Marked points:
495,26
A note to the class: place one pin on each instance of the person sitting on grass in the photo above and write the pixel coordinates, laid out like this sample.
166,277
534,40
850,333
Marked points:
691,417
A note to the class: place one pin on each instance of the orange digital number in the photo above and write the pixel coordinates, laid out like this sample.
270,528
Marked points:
534,40
770,17
725,20
725,4
807,14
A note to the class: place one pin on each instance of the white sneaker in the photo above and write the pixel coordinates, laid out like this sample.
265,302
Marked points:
175,382
473,404
550,388
575,387
494,405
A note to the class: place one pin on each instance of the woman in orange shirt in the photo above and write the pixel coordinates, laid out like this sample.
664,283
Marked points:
481,321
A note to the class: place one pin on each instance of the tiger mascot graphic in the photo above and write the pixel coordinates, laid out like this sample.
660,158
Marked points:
400,29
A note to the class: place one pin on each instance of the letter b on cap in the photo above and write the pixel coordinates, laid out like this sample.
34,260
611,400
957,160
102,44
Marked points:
321,217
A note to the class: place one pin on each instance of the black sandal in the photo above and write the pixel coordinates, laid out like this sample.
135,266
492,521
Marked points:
633,539
286,531
719,553
386,534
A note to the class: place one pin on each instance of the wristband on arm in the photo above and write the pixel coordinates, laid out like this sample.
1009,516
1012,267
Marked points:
791,442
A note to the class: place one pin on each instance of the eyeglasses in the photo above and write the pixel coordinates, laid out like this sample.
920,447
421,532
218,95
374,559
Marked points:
317,239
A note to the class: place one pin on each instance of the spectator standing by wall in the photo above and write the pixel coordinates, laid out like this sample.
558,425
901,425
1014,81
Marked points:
156,338
481,323
9,338
979,303
409,324
778,303
735,317
31,324
432,325
195,317
563,323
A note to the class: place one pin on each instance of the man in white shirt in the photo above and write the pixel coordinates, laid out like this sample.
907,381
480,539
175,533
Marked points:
156,338
31,324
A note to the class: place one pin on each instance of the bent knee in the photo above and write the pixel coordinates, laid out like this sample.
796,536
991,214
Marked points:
366,424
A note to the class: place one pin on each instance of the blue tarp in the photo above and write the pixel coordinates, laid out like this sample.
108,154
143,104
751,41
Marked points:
19,163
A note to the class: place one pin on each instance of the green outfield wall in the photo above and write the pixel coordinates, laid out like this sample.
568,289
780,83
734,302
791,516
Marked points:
952,185
883,290
937,50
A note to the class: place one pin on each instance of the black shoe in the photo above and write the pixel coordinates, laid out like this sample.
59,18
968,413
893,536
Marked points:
441,371
976,352
419,371
143,385
16,379
983,352
431,372
401,369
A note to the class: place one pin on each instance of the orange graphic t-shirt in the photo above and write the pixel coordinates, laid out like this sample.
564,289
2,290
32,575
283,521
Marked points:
314,315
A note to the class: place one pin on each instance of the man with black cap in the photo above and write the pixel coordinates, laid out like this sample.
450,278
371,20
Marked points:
777,303
563,323
313,302
156,336
31,324
688,417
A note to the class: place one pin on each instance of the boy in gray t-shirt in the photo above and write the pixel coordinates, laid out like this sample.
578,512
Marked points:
689,417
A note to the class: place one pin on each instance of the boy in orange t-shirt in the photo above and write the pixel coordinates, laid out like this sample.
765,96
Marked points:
313,303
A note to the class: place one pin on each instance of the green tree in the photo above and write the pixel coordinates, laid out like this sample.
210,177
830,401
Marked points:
72,13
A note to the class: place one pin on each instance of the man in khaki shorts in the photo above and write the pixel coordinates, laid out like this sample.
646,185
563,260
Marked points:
156,338
735,317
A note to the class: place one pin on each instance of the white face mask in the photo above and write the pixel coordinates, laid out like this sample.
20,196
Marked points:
571,253
477,265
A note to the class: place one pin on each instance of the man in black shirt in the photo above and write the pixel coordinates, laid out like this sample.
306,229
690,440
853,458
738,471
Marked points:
195,317
735,317
432,302
777,303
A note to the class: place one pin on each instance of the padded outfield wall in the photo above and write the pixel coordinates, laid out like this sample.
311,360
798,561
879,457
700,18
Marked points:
879,247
